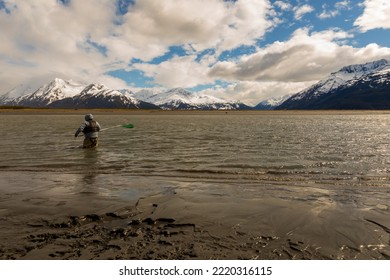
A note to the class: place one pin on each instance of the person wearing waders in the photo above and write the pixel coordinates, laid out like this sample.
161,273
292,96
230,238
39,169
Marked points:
90,128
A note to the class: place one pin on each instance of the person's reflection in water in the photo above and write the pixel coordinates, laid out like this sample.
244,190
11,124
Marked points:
89,177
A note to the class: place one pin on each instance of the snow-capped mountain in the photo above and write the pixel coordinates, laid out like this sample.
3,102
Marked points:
55,90
146,93
18,91
27,87
361,86
68,94
179,98
271,103
100,96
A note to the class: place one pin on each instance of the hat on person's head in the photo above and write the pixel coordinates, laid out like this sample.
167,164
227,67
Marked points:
88,117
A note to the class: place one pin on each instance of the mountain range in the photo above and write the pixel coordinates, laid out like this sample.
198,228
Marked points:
179,98
68,94
360,86
100,96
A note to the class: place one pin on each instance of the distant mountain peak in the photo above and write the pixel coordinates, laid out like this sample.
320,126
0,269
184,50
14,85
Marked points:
56,89
345,88
94,87
272,102
366,67
179,90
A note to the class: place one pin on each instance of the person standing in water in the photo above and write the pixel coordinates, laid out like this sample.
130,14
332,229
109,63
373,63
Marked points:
90,128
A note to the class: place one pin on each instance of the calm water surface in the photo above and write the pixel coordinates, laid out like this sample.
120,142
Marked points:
215,146
289,150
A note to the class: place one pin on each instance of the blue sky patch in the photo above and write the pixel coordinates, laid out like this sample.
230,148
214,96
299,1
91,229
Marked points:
134,78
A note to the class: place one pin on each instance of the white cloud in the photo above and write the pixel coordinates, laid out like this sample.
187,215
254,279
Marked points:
300,11
338,8
283,5
85,39
252,92
343,5
305,57
328,13
201,23
178,72
376,15
51,38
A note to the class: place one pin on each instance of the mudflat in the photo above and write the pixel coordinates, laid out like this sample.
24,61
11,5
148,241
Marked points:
194,223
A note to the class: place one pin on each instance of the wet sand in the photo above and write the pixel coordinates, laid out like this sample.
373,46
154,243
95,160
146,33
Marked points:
190,223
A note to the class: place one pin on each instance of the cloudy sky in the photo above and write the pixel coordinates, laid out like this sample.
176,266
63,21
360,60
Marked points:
246,50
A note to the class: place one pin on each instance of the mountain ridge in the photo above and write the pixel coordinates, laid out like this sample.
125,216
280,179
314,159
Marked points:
48,93
68,94
100,96
358,86
179,98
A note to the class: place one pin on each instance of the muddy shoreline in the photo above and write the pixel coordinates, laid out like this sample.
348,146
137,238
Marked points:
188,225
